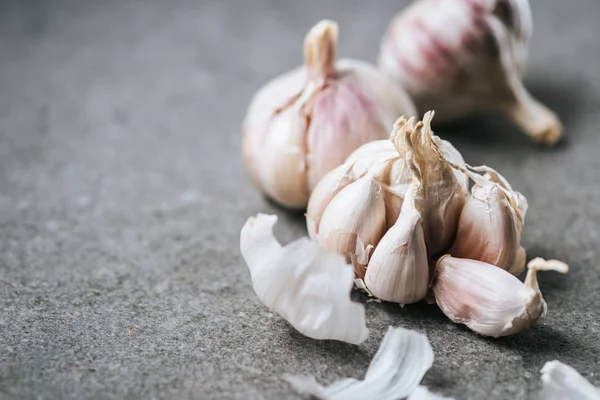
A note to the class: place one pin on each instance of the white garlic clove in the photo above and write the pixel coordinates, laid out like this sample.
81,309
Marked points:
488,299
398,270
302,125
518,264
308,286
443,193
324,192
400,363
488,228
354,222
563,382
460,56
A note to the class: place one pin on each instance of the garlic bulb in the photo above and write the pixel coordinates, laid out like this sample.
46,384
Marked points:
459,56
304,123
355,204
306,285
487,299
491,222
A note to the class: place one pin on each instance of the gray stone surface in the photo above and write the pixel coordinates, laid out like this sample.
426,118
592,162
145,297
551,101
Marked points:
122,194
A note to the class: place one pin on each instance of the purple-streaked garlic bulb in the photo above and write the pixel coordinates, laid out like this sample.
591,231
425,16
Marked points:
303,124
460,56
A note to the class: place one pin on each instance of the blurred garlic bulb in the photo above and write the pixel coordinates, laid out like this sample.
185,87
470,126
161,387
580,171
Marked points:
491,222
460,56
398,270
306,122
489,300
354,205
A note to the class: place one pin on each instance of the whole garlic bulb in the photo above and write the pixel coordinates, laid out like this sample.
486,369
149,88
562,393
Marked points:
306,122
459,56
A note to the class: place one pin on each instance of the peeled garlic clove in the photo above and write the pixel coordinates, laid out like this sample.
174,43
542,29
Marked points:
460,56
398,270
308,286
400,363
305,123
489,300
354,222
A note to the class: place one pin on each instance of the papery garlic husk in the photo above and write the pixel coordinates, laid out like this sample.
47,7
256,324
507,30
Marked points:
563,382
304,123
490,224
305,284
402,360
398,270
460,56
354,222
488,299
443,192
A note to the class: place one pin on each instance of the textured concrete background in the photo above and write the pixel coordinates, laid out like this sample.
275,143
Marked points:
122,194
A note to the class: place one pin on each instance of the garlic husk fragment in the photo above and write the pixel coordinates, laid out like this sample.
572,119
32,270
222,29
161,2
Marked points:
354,222
395,372
491,223
308,286
306,122
562,382
488,299
460,56
398,270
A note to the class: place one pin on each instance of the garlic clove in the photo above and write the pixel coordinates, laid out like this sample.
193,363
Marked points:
518,264
308,286
400,363
357,212
398,270
563,382
460,56
305,123
487,228
489,300
443,193
324,192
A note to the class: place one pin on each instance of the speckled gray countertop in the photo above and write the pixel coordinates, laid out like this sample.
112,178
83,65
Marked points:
122,195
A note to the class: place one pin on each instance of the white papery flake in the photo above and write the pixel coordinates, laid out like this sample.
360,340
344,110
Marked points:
404,356
562,382
306,285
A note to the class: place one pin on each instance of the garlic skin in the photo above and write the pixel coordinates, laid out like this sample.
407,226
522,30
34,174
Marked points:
563,382
398,270
489,300
306,122
400,363
461,56
354,222
308,286
490,224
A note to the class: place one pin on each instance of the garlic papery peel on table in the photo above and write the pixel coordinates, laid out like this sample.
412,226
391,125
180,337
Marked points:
460,56
360,202
488,299
395,372
306,122
491,222
308,286
562,382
